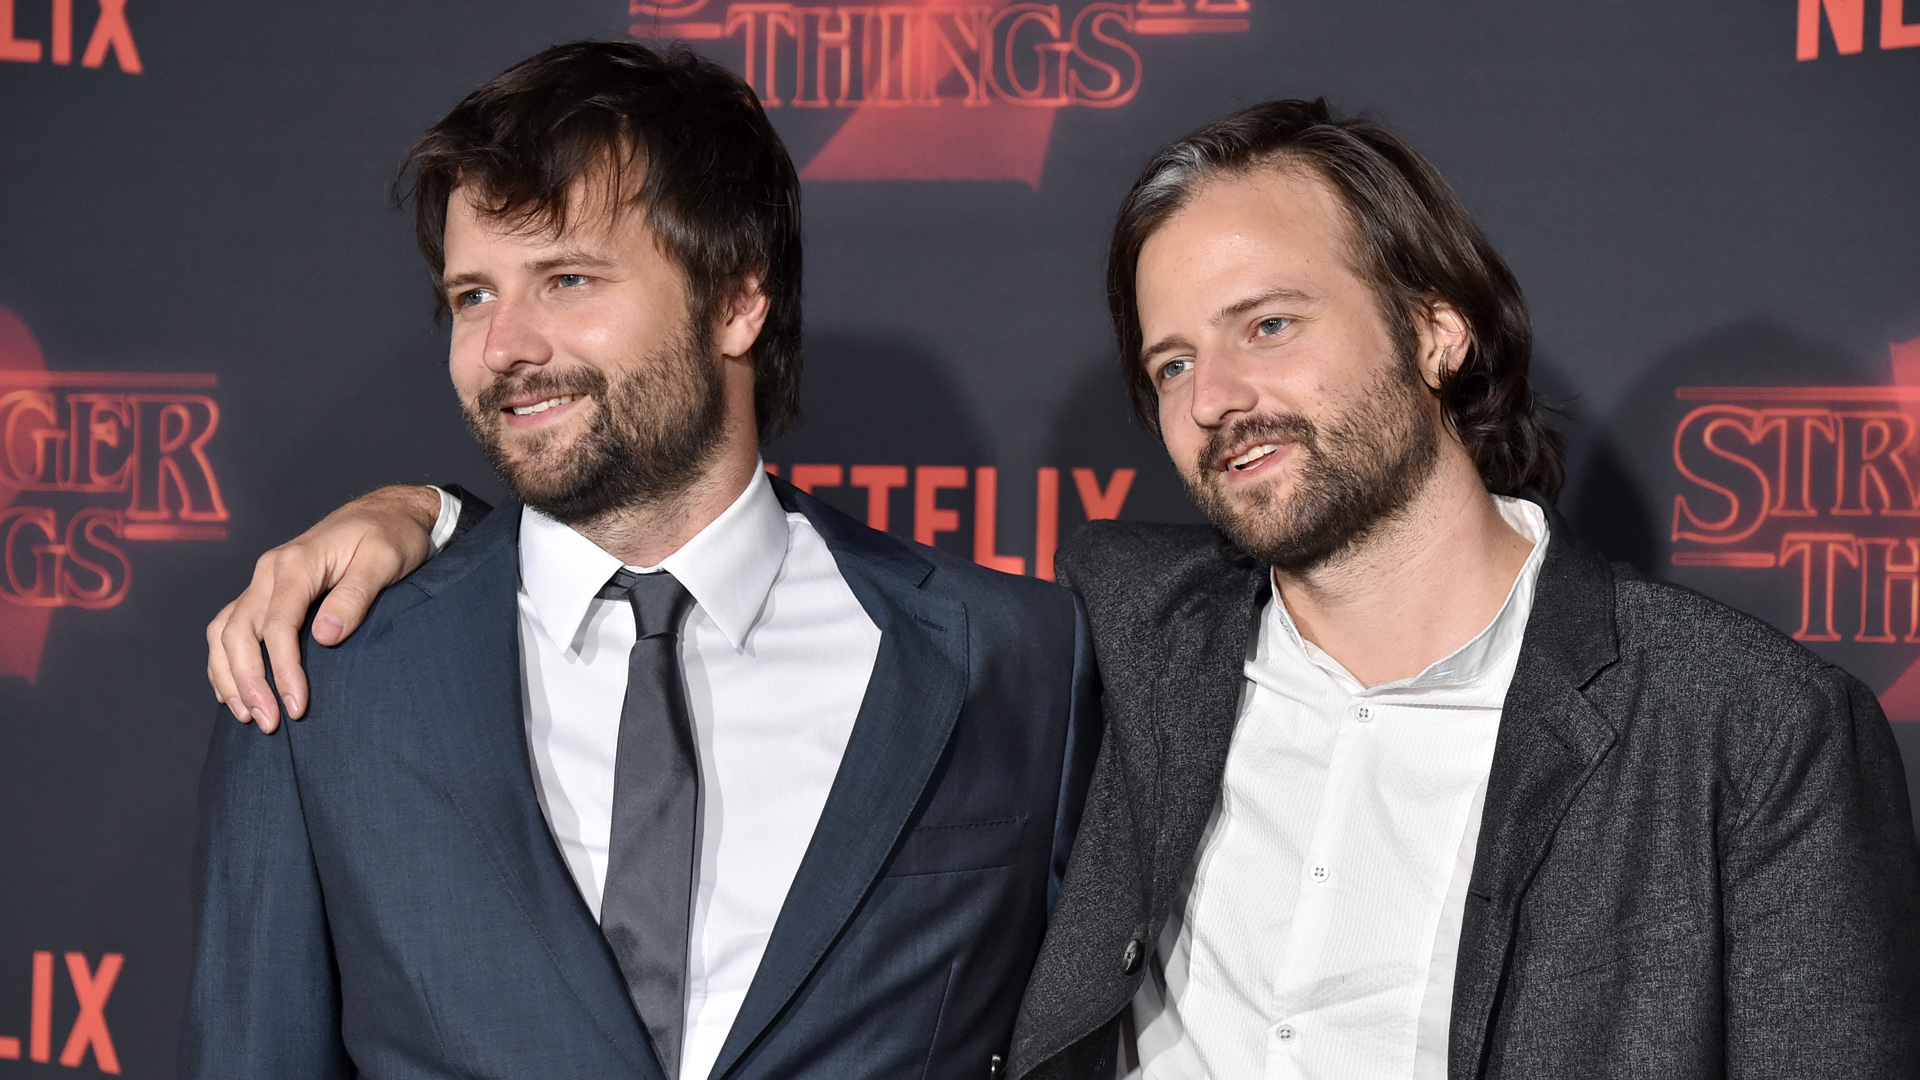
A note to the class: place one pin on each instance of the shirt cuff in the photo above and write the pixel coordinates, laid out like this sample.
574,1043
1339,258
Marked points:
449,518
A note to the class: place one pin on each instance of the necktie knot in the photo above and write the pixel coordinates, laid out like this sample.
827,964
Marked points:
660,603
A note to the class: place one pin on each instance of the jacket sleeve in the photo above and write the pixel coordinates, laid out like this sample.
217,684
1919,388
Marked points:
264,997
1821,895
1084,731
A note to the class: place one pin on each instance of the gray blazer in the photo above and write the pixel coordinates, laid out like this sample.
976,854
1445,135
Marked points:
1697,857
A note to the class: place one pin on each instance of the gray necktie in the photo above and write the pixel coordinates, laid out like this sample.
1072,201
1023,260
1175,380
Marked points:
656,792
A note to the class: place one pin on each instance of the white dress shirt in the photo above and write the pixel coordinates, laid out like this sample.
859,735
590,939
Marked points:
1317,935
777,654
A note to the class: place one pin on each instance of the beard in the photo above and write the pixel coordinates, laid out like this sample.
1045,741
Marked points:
655,428
1359,470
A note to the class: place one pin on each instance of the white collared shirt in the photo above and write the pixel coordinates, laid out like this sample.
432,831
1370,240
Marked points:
1317,936
777,654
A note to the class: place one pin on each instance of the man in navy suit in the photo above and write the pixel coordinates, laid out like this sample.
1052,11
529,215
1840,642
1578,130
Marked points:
666,769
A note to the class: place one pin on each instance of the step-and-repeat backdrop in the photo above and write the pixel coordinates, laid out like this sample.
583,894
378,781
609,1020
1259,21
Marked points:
214,327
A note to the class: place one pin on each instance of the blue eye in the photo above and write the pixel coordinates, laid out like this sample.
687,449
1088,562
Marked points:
571,281
1273,326
1173,368
472,298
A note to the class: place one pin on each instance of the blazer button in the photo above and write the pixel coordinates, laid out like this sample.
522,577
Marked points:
1130,959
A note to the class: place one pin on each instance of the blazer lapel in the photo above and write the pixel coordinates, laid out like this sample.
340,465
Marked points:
465,647
1196,705
1551,739
918,685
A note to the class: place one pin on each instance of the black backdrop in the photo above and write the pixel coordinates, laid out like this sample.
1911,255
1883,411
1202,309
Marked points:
213,327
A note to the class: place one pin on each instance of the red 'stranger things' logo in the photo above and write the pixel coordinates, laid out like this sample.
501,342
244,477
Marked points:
91,463
1819,488
938,91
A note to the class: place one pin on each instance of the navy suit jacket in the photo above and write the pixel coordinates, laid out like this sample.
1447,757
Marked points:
379,894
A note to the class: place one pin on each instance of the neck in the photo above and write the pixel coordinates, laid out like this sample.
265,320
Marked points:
645,534
1418,587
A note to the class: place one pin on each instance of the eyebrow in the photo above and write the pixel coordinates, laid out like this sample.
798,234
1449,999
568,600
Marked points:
539,266
1225,314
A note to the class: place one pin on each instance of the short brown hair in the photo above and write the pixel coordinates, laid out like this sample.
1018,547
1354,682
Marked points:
719,190
1414,243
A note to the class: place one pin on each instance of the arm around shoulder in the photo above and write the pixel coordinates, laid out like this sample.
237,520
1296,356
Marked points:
1821,895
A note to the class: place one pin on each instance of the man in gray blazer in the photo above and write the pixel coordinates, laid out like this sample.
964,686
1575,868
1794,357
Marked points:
1401,779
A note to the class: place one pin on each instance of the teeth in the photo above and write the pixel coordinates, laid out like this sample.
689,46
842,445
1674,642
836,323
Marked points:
1252,456
529,410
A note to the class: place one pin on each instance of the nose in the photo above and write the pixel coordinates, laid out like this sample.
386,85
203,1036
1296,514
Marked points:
1221,390
514,338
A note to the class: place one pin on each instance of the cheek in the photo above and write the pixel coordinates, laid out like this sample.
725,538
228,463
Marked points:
1183,439
466,361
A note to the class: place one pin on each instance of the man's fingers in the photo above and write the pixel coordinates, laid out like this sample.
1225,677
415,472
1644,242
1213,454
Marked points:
346,606
240,641
219,674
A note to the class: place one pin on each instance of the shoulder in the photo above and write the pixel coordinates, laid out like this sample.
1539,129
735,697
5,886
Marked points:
1691,664
1127,572
1716,646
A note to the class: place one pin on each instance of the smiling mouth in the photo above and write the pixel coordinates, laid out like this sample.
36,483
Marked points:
543,406
1253,456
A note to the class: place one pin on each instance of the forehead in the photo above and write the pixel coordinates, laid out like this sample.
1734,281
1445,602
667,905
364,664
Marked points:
592,215
1273,222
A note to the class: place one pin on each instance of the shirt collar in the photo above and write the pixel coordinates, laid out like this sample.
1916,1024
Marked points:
1471,663
729,566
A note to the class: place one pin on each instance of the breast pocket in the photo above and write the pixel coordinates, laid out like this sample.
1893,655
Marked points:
966,845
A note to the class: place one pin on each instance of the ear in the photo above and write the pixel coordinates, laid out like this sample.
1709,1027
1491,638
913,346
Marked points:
1444,341
743,319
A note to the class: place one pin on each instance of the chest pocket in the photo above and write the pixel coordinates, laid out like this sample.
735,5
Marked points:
967,845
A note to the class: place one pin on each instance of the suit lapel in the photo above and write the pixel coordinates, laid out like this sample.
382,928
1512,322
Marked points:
1196,705
1551,739
464,648
914,696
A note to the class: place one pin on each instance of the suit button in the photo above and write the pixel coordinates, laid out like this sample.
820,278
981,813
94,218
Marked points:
1130,959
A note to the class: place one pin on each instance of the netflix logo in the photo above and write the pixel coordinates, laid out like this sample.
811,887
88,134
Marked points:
1846,21
110,34
91,985
935,493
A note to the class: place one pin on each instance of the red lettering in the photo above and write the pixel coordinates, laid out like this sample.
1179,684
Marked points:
1746,491
1889,570
89,549
41,586
879,480
929,518
760,22
1102,505
40,1023
809,477
1051,51
1847,18
1895,31
1046,529
1871,442
90,1028
1820,555
173,477
1119,70
1793,483
63,31
986,517
31,441
962,37
112,32
27,50
837,42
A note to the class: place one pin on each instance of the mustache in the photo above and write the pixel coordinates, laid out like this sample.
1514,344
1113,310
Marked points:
543,384
1268,427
